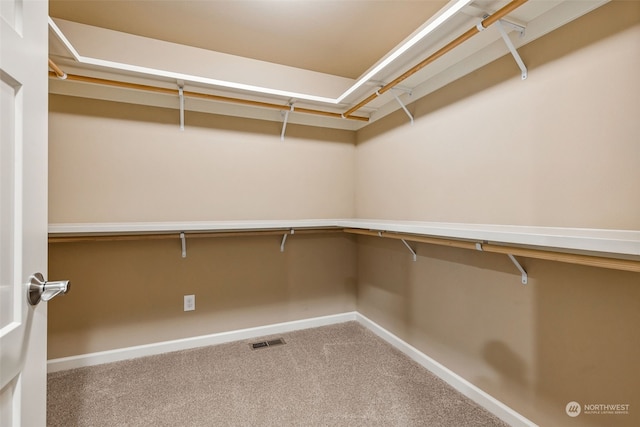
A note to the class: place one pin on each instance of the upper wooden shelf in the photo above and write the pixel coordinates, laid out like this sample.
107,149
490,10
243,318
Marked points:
614,242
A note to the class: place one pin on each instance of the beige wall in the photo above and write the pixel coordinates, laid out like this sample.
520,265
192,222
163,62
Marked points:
570,334
131,292
114,162
559,149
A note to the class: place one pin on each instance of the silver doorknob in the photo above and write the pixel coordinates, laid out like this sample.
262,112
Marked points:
40,289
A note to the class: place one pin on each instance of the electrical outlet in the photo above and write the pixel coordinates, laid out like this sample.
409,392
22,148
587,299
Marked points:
189,302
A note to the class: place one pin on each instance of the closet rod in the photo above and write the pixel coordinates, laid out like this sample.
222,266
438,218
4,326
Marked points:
190,235
590,260
57,71
421,239
451,45
156,89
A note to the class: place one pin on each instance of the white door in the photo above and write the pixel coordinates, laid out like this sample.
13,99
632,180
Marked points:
23,209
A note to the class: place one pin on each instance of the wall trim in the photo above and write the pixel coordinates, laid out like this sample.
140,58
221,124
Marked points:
471,391
468,389
116,355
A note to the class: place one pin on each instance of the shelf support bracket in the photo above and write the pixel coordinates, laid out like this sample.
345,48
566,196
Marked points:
181,95
512,49
415,256
183,240
403,107
284,122
519,267
515,262
284,239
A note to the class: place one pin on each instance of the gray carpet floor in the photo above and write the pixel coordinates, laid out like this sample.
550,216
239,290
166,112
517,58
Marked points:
339,375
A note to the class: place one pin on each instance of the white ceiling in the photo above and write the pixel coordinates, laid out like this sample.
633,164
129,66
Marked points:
308,45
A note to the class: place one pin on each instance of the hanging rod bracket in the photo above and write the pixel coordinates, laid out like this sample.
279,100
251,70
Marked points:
183,240
403,89
57,70
520,29
399,88
285,114
413,252
181,95
284,239
525,277
403,107
512,49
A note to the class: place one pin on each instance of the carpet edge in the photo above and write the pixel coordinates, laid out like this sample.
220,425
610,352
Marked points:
125,353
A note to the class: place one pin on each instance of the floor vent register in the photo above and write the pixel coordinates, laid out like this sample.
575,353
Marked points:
265,344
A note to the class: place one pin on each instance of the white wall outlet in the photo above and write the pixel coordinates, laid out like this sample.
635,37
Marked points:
189,302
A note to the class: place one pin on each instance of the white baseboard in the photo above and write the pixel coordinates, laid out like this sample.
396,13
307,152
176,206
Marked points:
474,393
98,358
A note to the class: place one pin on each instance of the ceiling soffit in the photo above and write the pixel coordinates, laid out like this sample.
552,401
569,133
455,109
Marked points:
337,37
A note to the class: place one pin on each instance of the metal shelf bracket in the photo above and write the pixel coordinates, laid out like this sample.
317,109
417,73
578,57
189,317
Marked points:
284,239
284,122
413,252
404,107
515,262
500,25
519,267
181,95
183,240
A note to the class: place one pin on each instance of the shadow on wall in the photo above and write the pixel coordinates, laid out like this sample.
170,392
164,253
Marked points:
511,374
384,285
506,362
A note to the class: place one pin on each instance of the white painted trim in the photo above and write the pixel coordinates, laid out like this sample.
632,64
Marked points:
116,355
468,389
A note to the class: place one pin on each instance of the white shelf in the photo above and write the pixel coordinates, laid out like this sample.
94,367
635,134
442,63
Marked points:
192,226
625,242
614,242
